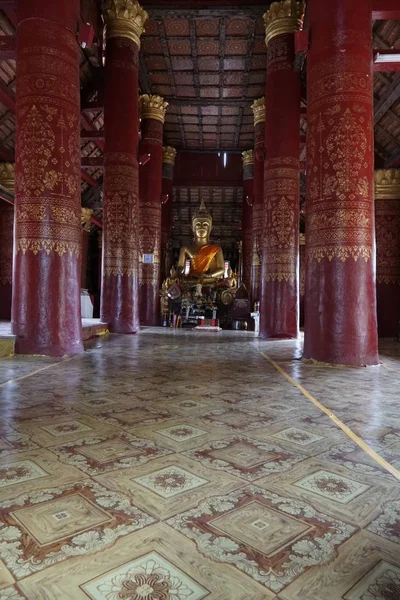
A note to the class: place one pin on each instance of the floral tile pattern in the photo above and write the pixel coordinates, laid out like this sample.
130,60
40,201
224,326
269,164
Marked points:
238,420
170,481
77,519
150,577
301,536
106,453
181,433
20,472
170,466
382,583
387,524
298,436
333,486
245,457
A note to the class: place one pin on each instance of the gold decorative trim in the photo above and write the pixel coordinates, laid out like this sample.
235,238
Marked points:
302,239
169,155
124,18
152,107
86,215
248,157
282,17
7,175
387,184
258,107
7,348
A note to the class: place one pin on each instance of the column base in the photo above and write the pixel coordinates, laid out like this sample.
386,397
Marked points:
355,365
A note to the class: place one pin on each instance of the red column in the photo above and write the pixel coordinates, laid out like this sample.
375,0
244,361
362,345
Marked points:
46,316
387,220
168,163
340,308
7,180
258,107
85,218
279,310
119,294
302,276
247,216
152,112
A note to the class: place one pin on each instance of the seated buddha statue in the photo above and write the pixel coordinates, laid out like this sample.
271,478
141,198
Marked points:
207,264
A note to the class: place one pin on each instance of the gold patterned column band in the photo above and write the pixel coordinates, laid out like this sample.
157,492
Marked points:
152,107
248,165
169,155
283,17
124,18
258,107
7,175
248,157
387,184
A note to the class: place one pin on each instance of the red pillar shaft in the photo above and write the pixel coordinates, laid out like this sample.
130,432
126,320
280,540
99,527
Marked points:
247,222
46,316
150,221
6,258
166,217
279,309
119,295
387,219
259,155
340,308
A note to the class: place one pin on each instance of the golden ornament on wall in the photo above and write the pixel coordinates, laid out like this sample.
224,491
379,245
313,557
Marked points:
7,175
248,157
387,184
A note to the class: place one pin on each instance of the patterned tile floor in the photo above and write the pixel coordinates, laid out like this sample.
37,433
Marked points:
182,466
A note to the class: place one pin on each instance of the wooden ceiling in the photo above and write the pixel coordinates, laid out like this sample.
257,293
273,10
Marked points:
209,69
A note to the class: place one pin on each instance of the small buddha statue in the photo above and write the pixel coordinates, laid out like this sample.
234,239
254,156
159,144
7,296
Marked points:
207,260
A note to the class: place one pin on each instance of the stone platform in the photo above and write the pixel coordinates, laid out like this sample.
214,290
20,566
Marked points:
90,329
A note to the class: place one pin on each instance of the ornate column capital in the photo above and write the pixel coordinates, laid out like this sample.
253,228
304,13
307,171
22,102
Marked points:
248,157
124,18
169,155
86,214
285,16
258,107
7,175
152,107
387,184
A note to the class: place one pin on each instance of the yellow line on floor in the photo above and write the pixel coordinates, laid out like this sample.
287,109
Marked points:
381,461
37,371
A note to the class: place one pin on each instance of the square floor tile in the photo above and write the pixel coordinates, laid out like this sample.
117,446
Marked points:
301,437
381,583
273,539
170,481
387,523
54,524
181,433
245,457
147,577
238,420
156,563
52,521
333,486
135,417
107,453
13,441
169,484
20,472
67,427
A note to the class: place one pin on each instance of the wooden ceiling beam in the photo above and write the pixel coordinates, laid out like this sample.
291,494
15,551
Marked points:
92,134
88,162
8,47
388,99
385,10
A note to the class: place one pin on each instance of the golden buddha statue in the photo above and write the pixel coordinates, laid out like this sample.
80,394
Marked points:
207,264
